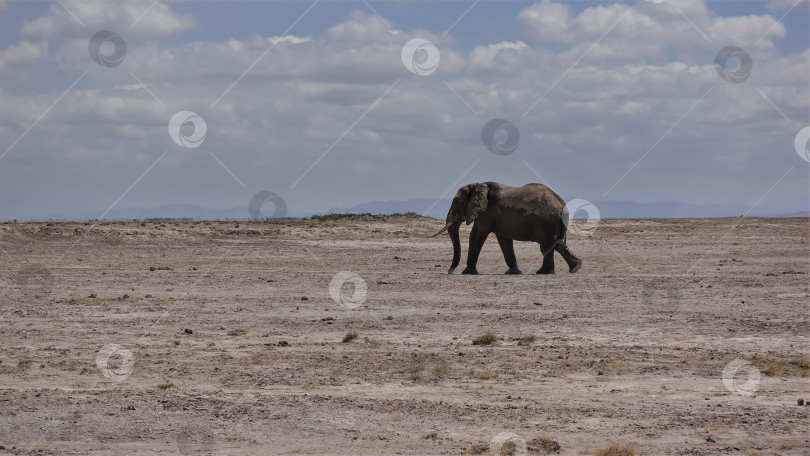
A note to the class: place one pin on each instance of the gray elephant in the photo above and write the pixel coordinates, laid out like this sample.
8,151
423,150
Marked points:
532,212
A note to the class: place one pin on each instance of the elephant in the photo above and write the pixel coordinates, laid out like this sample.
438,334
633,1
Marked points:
532,212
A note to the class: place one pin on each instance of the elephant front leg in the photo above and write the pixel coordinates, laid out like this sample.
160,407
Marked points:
508,250
477,239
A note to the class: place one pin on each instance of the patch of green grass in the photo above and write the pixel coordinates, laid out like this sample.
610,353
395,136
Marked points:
166,385
350,336
365,217
487,338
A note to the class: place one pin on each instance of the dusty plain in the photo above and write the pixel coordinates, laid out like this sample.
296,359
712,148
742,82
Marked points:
143,338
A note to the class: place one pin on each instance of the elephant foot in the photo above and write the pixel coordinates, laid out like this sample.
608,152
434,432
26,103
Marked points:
546,271
469,270
513,270
575,267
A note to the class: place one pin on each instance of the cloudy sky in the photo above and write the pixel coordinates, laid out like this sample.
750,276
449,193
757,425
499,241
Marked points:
333,103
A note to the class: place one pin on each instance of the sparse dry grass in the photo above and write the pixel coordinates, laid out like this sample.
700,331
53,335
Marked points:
778,366
484,375
615,450
166,385
350,336
488,338
336,374
789,446
525,340
428,366
255,359
543,444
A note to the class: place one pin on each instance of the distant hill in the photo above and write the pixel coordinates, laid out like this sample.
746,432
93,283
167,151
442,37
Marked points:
172,211
426,206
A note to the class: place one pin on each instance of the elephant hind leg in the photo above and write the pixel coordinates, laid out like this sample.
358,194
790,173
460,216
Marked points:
508,250
574,263
548,258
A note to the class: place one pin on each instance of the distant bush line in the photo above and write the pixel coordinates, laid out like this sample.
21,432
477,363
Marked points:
365,216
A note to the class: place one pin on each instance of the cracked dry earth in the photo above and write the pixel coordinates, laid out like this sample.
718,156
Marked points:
226,340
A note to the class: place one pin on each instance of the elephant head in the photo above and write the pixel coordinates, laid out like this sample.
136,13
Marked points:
470,201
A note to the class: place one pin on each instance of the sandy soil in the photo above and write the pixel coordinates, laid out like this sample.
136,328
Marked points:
222,338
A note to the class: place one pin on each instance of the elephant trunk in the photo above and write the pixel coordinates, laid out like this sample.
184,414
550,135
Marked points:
456,246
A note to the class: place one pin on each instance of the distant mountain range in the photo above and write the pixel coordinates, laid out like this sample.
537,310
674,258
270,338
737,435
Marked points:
432,208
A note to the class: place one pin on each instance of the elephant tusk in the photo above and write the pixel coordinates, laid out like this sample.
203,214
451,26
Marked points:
443,229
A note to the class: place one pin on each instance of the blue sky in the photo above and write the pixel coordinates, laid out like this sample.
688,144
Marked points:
612,100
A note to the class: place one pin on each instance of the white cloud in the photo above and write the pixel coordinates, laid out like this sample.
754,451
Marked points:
596,119
116,15
289,39
24,52
647,26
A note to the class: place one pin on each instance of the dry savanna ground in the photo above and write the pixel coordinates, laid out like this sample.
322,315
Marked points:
139,338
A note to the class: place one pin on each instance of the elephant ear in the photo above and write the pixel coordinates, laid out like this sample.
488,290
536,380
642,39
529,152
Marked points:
478,201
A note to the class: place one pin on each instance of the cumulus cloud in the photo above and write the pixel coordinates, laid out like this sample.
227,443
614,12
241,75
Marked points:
76,17
24,52
647,25
394,135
